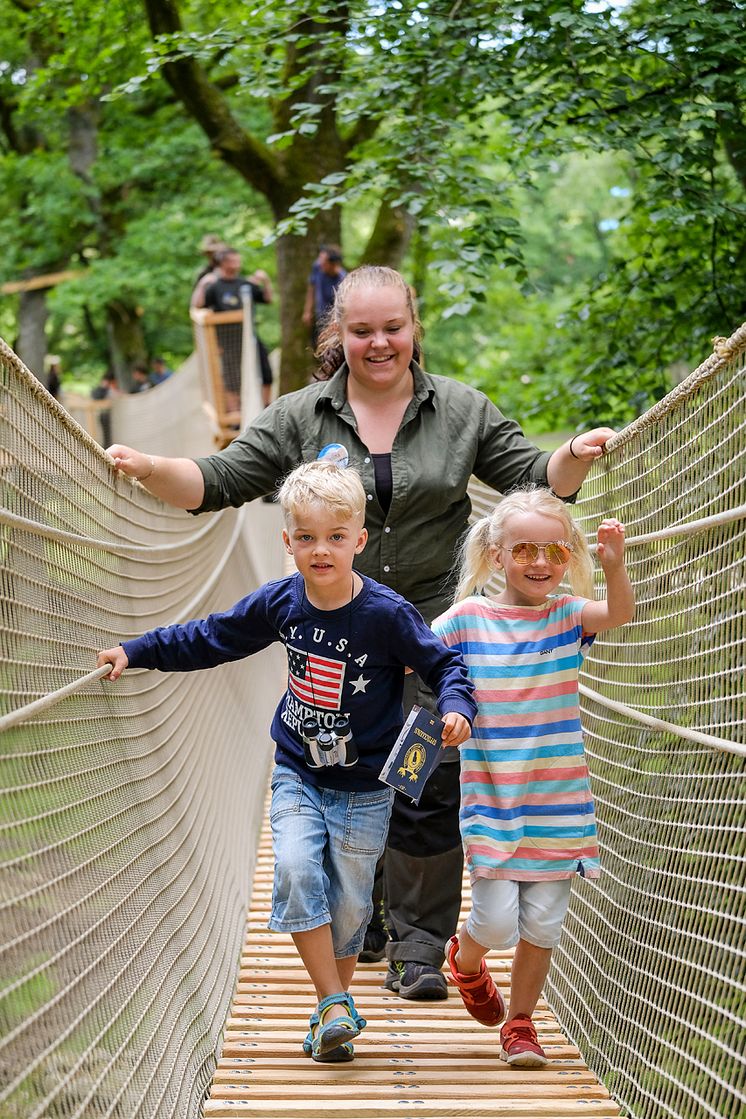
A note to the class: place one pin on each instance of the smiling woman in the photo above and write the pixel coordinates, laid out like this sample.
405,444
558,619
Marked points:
416,439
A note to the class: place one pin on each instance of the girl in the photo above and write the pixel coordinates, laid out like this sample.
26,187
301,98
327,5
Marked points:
527,821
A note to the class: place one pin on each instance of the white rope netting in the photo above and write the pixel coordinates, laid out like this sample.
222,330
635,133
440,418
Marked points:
649,978
129,813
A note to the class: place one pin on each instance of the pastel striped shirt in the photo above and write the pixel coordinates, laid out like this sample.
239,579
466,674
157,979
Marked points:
526,805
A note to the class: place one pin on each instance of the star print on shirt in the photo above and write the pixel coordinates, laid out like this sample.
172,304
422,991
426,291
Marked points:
360,684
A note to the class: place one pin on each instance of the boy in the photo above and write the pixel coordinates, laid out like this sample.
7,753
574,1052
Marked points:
348,640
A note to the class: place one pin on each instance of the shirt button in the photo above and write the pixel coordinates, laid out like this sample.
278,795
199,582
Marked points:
387,528
366,460
370,497
386,567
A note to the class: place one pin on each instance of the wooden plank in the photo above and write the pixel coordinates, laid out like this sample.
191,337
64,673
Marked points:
381,1059
414,1059
363,1070
336,1106
35,283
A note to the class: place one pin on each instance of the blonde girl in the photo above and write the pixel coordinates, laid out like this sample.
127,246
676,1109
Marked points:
527,821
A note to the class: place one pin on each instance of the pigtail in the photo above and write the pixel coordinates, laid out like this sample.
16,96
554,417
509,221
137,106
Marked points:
580,568
475,566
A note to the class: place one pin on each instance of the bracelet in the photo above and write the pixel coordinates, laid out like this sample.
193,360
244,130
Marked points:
144,477
569,448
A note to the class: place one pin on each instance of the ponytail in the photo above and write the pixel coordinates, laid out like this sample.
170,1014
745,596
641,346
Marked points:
475,566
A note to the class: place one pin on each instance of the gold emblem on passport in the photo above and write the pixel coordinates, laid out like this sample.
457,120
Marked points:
415,753
412,762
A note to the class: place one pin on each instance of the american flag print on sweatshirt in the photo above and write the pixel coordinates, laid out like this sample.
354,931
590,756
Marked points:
526,805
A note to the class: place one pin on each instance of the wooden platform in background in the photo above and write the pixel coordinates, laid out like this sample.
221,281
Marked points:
414,1059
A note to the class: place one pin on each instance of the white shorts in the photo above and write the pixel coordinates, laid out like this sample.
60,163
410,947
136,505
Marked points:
504,912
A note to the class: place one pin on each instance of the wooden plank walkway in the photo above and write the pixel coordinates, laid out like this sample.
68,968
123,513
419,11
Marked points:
414,1059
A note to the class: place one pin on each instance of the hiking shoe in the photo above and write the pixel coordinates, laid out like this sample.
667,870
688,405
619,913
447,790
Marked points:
374,945
416,981
520,1045
478,992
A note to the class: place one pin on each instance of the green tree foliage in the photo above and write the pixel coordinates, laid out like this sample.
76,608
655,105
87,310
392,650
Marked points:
482,140
121,190
365,101
665,85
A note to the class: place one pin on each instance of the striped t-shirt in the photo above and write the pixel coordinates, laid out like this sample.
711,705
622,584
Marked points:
526,805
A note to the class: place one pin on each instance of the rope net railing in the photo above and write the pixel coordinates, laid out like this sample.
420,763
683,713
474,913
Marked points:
129,813
649,979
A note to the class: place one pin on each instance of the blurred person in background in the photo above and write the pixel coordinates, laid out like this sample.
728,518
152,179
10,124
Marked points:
326,275
226,294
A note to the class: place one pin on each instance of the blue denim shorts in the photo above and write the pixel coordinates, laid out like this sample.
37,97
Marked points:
326,846
503,911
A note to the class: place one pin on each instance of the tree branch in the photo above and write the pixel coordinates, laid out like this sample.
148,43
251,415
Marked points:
205,103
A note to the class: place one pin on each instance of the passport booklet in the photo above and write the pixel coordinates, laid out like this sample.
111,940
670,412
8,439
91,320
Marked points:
415,753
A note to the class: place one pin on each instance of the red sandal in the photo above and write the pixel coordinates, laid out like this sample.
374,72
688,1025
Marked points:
480,995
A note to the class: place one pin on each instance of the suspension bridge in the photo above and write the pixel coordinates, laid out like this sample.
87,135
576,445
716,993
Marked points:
138,976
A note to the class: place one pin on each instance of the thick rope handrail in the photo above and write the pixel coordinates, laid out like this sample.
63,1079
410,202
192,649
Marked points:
688,528
725,744
49,700
61,414
29,710
724,351
114,546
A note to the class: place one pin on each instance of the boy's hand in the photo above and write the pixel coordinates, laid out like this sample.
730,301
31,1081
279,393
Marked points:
456,729
116,657
610,549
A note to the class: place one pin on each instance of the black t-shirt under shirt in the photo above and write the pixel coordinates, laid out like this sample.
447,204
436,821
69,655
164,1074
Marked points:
384,480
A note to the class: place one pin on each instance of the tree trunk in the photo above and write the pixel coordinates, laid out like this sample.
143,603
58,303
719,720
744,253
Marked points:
390,237
126,341
295,255
32,319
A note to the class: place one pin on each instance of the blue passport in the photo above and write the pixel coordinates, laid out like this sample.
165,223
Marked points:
415,753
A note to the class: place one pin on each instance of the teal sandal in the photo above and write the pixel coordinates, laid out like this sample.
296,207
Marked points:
333,1041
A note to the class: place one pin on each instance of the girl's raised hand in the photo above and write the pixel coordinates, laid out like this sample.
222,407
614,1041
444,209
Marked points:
116,657
456,729
610,549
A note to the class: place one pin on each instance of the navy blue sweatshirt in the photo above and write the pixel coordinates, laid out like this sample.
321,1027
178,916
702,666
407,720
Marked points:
348,661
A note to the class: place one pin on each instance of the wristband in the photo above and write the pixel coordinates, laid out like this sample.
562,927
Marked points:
144,477
569,448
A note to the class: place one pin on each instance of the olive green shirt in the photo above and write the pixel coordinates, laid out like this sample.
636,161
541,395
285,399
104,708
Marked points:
448,432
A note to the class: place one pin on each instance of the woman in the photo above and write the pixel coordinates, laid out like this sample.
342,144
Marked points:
416,439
